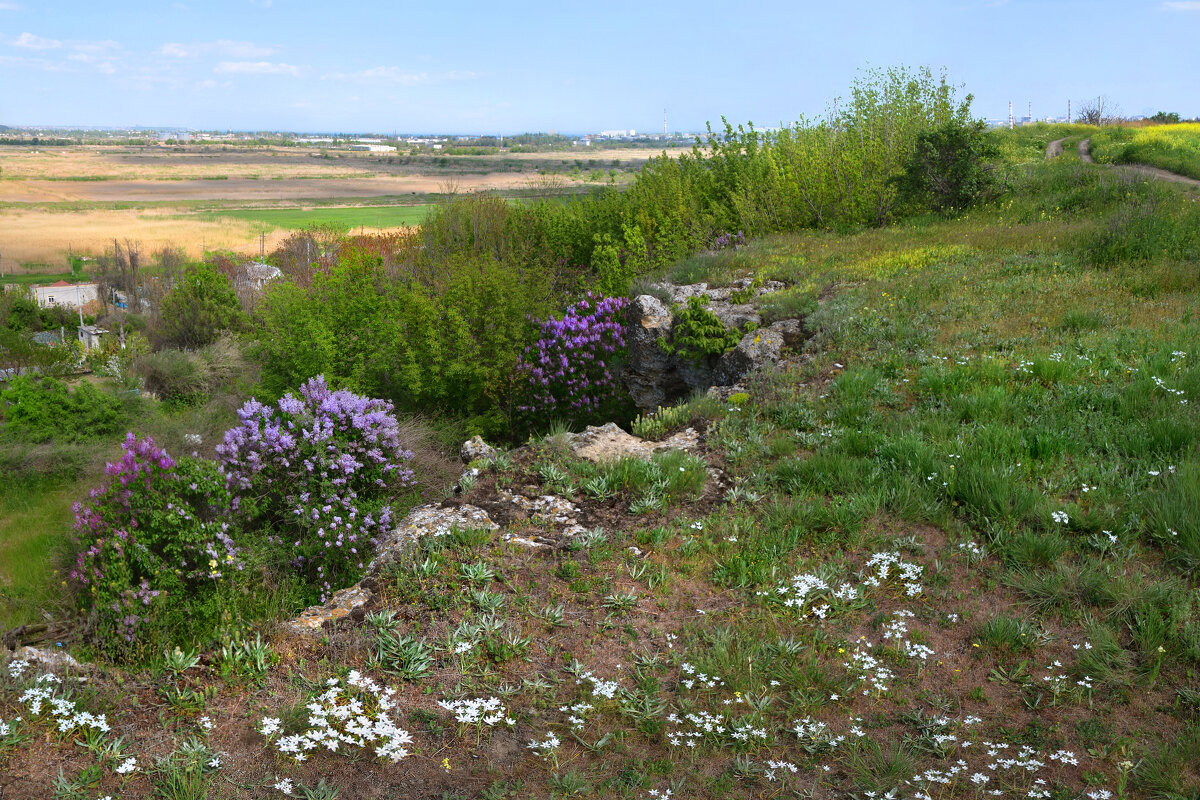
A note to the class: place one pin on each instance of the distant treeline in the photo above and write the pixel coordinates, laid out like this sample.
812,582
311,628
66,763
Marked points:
38,141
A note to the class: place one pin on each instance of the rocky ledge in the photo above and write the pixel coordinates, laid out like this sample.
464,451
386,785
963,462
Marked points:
656,377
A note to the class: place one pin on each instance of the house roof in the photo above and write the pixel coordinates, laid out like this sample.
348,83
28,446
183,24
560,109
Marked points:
60,283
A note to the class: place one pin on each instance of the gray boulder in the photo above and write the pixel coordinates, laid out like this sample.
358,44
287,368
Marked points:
649,373
735,315
475,448
756,349
792,331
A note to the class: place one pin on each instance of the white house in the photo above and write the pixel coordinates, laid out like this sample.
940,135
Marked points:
61,293
90,336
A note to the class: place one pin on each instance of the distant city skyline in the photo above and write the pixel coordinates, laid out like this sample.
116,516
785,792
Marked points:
298,65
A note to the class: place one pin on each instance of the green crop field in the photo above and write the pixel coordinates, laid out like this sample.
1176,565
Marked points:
348,218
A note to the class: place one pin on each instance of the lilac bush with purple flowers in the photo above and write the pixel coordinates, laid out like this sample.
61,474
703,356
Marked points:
570,368
151,539
313,472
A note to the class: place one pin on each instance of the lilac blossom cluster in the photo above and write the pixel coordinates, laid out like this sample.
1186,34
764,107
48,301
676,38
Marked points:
314,471
156,528
728,240
570,367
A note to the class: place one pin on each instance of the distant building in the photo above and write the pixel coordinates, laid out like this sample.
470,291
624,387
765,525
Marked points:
255,275
250,279
61,293
90,336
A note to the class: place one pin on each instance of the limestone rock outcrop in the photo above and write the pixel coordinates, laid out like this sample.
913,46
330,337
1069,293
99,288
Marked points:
655,377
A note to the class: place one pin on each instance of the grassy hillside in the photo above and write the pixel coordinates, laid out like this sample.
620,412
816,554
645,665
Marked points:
1175,148
953,552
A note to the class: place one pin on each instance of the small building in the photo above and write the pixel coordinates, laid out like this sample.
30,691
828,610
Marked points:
90,336
61,293
255,275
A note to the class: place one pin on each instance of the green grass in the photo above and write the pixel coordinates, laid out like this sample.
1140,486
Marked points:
345,218
994,399
1175,148
33,524
43,277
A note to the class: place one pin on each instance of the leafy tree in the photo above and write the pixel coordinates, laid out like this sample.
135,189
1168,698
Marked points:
1166,118
200,305
950,167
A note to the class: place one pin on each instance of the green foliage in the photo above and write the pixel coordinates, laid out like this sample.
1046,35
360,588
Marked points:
191,377
452,348
697,333
1155,228
1175,148
657,425
200,305
40,410
154,545
950,167
19,350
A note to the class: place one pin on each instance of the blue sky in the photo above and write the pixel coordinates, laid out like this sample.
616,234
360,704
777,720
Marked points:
574,66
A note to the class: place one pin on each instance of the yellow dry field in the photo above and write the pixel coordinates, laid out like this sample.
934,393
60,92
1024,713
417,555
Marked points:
250,190
101,163
45,237
169,186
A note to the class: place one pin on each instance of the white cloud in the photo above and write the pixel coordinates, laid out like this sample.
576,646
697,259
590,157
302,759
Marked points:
9,7
395,75
258,68
32,42
223,47
1182,5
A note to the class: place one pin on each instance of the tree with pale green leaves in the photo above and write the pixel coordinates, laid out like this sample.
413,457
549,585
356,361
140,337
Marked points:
199,307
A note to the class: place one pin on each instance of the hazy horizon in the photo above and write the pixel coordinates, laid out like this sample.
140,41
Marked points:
293,65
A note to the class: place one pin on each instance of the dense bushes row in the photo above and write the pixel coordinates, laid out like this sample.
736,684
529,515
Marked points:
437,322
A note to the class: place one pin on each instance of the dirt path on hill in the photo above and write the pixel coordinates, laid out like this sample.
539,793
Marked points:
1054,149
1143,170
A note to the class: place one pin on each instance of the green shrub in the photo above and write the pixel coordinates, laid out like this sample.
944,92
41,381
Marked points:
154,544
39,410
451,346
950,167
697,333
199,307
1153,229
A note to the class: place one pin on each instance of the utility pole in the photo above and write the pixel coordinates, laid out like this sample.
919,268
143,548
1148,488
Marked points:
1068,112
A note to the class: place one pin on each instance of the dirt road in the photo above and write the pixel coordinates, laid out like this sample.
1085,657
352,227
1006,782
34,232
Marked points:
1141,170
1054,149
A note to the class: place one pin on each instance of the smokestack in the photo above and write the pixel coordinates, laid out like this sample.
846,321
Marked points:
1010,116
